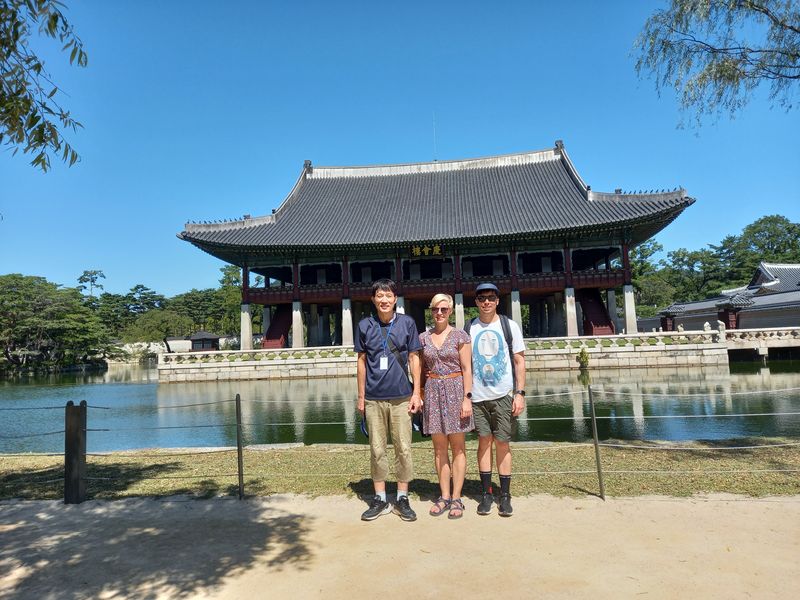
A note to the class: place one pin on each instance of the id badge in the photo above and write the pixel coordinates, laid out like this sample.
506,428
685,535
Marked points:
384,364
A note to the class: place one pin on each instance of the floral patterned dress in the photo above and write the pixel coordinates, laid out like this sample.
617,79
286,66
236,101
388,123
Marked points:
441,412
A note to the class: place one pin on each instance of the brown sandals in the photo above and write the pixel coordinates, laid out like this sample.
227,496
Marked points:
456,509
439,507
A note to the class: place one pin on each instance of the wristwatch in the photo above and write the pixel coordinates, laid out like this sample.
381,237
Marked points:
468,395
520,392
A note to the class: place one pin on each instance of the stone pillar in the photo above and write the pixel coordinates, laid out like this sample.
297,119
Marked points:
630,309
552,323
611,302
572,314
266,318
298,336
541,317
459,310
337,328
313,325
558,322
325,327
401,305
533,320
246,331
347,323
516,308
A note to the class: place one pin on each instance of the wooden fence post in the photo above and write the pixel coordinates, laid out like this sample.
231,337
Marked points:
239,445
596,446
75,453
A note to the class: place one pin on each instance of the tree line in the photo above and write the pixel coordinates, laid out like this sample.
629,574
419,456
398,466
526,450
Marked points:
44,325
686,275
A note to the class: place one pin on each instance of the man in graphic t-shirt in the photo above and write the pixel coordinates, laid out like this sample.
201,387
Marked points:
388,346
498,394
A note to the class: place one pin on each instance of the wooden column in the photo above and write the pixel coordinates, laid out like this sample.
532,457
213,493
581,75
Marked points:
296,280
626,262
245,284
457,271
398,274
345,278
568,265
513,266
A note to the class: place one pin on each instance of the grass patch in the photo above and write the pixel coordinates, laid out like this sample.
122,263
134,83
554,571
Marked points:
344,469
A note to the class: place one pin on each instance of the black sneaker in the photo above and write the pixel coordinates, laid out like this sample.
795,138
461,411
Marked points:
505,509
485,505
403,509
376,508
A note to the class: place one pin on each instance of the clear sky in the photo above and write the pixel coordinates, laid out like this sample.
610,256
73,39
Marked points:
200,110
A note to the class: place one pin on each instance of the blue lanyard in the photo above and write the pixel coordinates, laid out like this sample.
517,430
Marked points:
388,333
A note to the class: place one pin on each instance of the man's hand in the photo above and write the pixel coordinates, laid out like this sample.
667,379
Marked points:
360,405
414,403
518,405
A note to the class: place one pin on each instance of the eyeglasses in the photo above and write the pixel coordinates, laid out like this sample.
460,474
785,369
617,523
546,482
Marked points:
483,299
440,310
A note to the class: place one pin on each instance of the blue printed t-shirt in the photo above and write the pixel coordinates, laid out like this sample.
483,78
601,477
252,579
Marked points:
392,383
491,364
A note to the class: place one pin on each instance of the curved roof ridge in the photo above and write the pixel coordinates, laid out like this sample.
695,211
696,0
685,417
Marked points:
769,265
438,166
244,222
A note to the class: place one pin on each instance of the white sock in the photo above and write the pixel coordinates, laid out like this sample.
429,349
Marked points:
381,495
401,494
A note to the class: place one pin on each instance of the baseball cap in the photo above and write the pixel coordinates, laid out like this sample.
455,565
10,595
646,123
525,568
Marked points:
487,287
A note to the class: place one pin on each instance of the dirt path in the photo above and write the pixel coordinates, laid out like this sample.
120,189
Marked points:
296,547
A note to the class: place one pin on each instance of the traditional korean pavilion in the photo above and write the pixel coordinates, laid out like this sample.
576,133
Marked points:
526,222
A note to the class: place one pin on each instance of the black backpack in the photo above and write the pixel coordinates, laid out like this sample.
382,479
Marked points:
509,339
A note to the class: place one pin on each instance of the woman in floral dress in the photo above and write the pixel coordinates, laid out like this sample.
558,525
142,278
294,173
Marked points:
447,410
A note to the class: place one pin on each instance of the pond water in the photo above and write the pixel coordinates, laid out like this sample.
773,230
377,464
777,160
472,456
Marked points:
129,409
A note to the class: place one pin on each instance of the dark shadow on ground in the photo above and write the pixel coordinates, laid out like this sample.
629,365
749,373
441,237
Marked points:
143,548
107,480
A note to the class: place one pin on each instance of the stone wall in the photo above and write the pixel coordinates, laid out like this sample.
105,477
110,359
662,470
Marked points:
689,348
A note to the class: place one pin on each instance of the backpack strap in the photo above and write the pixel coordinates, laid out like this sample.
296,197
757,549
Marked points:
509,342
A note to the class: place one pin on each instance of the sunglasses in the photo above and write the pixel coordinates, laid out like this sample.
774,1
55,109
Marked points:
483,299
440,310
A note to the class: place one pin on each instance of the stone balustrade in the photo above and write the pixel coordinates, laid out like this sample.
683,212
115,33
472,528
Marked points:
639,350
775,337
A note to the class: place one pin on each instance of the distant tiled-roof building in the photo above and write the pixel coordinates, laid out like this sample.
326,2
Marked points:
771,299
526,221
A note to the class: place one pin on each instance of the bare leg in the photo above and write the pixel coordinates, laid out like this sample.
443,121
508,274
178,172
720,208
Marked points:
441,461
503,457
485,453
459,462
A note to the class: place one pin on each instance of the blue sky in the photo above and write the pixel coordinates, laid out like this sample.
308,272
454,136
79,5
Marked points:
206,110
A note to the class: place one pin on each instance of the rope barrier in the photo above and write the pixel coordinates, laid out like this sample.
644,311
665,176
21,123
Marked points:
30,455
689,395
33,408
162,477
31,482
770,414
195,404
151,455
699,472
30,435
758,447
163,427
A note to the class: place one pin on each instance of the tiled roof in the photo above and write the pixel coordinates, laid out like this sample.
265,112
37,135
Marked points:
530,195
775,277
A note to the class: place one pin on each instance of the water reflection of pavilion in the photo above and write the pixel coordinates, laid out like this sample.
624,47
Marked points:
629,395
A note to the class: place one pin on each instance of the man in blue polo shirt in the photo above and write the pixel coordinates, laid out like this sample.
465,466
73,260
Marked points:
387,346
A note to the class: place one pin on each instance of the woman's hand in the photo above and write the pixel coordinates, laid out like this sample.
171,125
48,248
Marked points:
466,408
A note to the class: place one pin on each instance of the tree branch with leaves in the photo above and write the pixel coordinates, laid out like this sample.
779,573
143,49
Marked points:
715,53
31,116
